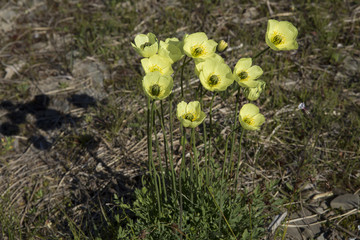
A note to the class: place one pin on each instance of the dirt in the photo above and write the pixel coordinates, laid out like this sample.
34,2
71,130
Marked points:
46,108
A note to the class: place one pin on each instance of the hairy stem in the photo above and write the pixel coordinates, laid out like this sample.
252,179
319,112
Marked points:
239,160
180,176
261,52
231,163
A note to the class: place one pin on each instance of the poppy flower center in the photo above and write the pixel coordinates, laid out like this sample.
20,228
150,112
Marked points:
155,90
243,75
155,68
277,39
213,80
248,120
197,51
189,116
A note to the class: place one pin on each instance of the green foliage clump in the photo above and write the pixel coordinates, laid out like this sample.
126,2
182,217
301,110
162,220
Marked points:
216,212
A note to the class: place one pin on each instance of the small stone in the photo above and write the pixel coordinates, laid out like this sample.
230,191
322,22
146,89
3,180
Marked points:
99,167
7,19
251,13
320,210
96,72
351,66
345,202
339,191
321,237
15,68
309,232
340,77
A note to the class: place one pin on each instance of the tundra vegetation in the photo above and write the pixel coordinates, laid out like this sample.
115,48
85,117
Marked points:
179,119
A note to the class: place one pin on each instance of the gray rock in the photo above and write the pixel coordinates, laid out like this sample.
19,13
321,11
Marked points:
351,66
321,237
52,84
345,202
339,77
305,230
7,19
251,13
60,104
94,71
293,233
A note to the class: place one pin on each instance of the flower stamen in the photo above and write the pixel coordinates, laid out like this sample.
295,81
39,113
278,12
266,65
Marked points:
277,39
155,90
189,116
250,121
155,68
213,80
197,51
243,75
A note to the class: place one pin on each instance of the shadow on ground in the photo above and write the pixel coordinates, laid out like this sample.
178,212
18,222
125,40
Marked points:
42,118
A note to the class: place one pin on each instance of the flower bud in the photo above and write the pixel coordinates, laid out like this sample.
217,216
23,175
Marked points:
253,93
222,45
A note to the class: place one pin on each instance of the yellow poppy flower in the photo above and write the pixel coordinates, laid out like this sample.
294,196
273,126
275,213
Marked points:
157,63
190,115
199,63
197,45
146,45
245,74
172,49
250,118
215,75
281,35
157,86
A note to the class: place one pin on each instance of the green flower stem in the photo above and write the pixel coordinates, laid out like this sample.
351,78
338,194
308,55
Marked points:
226,152
194,162
210,137
239,160
162,172
183,132
198,91
183,64
191,178
204,136
224,165
260,53
231,163
171,143
205,154
182,75
196,155
157,183
149,130
181,78
150,157
183,160
225,155
166,147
